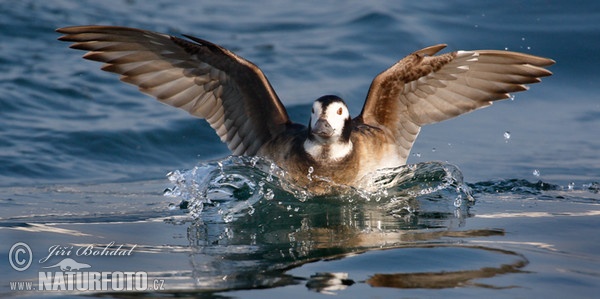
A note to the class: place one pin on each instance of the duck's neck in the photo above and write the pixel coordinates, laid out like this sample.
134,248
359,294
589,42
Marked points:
327,152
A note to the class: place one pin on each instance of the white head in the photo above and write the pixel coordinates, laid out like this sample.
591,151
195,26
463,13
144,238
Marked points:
329,120
330,126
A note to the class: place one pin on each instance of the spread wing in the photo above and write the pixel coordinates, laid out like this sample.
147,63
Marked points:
202,78
422,89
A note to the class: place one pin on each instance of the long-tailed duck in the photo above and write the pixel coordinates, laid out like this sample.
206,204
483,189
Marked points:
239,103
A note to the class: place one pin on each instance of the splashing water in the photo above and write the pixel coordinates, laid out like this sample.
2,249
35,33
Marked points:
256,190
237,186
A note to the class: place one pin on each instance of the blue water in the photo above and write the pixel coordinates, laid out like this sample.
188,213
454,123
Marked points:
84,158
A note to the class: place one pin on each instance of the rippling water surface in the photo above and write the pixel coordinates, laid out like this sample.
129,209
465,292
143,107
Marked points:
503,202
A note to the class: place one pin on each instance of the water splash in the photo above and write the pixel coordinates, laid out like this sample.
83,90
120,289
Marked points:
238,185
593,187
506,136
233,185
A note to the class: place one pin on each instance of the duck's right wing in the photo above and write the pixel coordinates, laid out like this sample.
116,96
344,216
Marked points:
204,79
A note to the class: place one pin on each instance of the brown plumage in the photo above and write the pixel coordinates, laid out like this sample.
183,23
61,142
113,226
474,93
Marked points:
237,100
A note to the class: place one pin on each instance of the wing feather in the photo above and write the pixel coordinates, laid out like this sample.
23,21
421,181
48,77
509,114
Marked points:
422,89
202,78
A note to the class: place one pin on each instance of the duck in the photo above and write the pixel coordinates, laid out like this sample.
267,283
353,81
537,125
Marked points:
334,149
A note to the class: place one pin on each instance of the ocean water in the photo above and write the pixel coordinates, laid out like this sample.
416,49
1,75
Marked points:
502,202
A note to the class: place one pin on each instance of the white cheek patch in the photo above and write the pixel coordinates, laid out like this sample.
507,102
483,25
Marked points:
337,121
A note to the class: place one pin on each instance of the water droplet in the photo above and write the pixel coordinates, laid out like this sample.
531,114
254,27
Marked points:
536,173
254,160
220,166
272,169
571,186
228,218
506,136
458,201
269,195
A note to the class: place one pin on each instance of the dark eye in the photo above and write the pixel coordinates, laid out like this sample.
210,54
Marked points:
339,112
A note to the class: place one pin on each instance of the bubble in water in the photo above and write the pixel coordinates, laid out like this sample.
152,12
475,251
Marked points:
506,136
536,173
172,206
310,172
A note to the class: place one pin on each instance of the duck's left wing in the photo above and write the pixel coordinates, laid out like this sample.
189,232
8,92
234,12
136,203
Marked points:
422,89
202,78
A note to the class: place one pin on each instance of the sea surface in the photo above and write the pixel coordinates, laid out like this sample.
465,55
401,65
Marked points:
500,203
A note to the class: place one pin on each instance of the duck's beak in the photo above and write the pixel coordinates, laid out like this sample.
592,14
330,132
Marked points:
322,128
